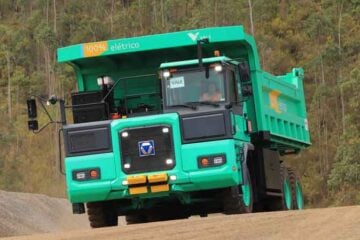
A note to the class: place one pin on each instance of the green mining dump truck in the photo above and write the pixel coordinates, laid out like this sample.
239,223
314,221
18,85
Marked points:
172,125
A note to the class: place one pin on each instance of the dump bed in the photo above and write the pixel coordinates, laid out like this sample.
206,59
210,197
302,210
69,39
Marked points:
280,109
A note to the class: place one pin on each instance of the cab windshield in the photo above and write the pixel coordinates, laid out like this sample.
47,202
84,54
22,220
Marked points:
193,86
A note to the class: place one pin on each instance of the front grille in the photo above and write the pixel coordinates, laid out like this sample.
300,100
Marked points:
147,149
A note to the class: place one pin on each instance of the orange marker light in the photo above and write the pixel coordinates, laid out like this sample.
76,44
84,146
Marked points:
115,116
204,161
94,174
249,126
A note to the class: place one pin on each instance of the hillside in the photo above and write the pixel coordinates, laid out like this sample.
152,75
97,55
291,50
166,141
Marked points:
24,214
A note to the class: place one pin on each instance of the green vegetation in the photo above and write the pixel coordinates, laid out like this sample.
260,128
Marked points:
321,36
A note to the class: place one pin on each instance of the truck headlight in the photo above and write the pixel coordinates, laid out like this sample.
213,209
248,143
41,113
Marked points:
211,161
166,74
86,174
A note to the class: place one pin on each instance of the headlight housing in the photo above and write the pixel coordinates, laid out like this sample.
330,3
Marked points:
211,161
87,138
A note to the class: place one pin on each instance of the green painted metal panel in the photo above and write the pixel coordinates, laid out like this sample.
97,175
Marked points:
283,107
151,42
92,190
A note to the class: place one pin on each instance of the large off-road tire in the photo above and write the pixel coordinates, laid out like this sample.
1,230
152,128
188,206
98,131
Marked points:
284,202
239,199
286,188
231,200
296,190
102,214
247,193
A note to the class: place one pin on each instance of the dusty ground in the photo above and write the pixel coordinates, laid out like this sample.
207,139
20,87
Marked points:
330,223
22,213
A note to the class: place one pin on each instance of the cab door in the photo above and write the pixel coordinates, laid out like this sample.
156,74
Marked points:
237,106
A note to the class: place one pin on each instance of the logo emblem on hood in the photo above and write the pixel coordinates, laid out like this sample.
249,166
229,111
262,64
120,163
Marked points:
146,148
193,36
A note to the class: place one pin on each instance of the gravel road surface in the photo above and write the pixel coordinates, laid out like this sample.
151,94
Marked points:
327,223
24,213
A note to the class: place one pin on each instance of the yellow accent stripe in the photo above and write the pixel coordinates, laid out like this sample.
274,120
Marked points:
138,190
274,103
156,178
160,188
132,180
95,48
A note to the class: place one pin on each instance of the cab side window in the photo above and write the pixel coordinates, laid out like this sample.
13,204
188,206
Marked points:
233,87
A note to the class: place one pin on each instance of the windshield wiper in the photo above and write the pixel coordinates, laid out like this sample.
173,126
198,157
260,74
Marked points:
215,104
186,105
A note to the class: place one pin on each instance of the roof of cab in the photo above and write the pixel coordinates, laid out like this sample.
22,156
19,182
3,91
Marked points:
193,62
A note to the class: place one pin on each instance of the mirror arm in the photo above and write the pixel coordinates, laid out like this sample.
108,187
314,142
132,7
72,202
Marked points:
229,105
51,121
199,43
47,113
42,128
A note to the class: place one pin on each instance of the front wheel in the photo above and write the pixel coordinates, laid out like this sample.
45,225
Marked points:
247,193
239,199
101,214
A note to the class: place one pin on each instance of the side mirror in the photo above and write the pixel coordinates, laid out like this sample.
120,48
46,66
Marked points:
33,125
244,72
246,91
31,108
32,114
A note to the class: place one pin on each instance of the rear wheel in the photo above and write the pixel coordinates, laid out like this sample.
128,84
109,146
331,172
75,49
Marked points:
101,214
287,203
296,190
284,202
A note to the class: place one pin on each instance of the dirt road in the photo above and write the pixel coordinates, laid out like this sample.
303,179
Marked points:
330,223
